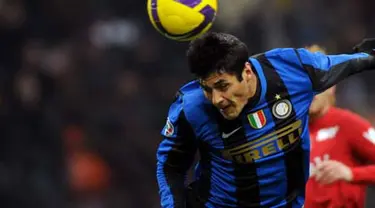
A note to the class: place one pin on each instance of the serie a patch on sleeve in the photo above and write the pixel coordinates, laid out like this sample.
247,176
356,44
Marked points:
168,128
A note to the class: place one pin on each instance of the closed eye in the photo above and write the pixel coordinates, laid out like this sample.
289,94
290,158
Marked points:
222,87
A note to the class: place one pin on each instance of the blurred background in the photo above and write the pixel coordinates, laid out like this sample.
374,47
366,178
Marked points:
85,87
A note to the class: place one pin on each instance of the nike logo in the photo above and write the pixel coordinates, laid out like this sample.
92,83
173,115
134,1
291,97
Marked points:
224,135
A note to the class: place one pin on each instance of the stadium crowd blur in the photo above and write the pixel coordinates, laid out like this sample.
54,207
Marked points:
85,88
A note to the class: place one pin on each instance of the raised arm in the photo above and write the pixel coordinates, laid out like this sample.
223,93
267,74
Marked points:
327,70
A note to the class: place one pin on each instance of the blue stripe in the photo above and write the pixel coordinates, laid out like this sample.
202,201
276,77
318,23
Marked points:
263,83
219,181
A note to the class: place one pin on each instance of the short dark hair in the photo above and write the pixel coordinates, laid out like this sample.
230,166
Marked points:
217,52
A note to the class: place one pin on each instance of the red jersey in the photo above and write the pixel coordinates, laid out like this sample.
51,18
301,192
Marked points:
346,137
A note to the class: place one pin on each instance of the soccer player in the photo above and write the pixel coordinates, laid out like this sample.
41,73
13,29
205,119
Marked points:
248,119
342,154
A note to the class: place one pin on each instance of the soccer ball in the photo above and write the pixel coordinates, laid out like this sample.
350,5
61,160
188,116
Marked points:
182,20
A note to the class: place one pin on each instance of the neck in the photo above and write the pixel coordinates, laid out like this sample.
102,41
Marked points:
253,87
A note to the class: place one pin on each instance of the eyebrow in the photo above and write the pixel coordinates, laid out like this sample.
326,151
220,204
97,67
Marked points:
216,84
221,81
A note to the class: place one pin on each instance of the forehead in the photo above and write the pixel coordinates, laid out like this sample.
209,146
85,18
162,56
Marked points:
216,78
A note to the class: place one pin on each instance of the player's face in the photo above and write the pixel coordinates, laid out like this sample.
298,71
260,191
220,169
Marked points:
229,94
322,102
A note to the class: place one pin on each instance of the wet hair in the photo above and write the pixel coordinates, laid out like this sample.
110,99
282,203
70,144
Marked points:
217,52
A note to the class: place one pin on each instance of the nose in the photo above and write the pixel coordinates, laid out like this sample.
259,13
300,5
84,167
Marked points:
217,98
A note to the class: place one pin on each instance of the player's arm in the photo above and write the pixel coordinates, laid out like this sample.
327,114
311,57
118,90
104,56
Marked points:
327,70
175,155
362,142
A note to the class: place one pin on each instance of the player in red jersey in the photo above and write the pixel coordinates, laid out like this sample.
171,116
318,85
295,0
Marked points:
342,155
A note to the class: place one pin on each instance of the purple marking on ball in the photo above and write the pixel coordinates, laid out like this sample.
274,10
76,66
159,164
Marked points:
209,15
190,3
154,14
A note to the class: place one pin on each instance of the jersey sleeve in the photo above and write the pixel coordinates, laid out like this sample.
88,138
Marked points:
175,155
362,142
327,70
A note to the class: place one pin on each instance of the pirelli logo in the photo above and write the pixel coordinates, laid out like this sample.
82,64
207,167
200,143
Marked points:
280,140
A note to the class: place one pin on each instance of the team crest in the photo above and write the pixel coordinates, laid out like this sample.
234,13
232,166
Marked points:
257,120
168,128
282,109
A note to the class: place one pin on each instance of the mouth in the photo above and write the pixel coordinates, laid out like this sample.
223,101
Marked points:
223,109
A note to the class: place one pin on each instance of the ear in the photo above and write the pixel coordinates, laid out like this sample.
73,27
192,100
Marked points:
248,71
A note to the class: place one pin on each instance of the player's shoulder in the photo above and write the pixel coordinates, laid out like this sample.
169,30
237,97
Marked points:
191,94
190,87
349,118
184,100
287,53
287,62
290,56
191,103
192,91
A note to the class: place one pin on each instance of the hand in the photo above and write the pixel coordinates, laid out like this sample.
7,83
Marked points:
331,171
367,45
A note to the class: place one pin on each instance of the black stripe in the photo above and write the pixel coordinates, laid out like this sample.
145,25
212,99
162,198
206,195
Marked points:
293,156
246,179
201,188
182,155
179,160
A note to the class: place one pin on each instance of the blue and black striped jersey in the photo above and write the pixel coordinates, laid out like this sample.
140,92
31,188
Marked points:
260,159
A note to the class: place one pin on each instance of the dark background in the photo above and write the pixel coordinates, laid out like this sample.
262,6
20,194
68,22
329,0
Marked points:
85,86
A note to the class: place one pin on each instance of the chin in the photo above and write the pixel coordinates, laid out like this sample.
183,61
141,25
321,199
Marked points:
230,116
